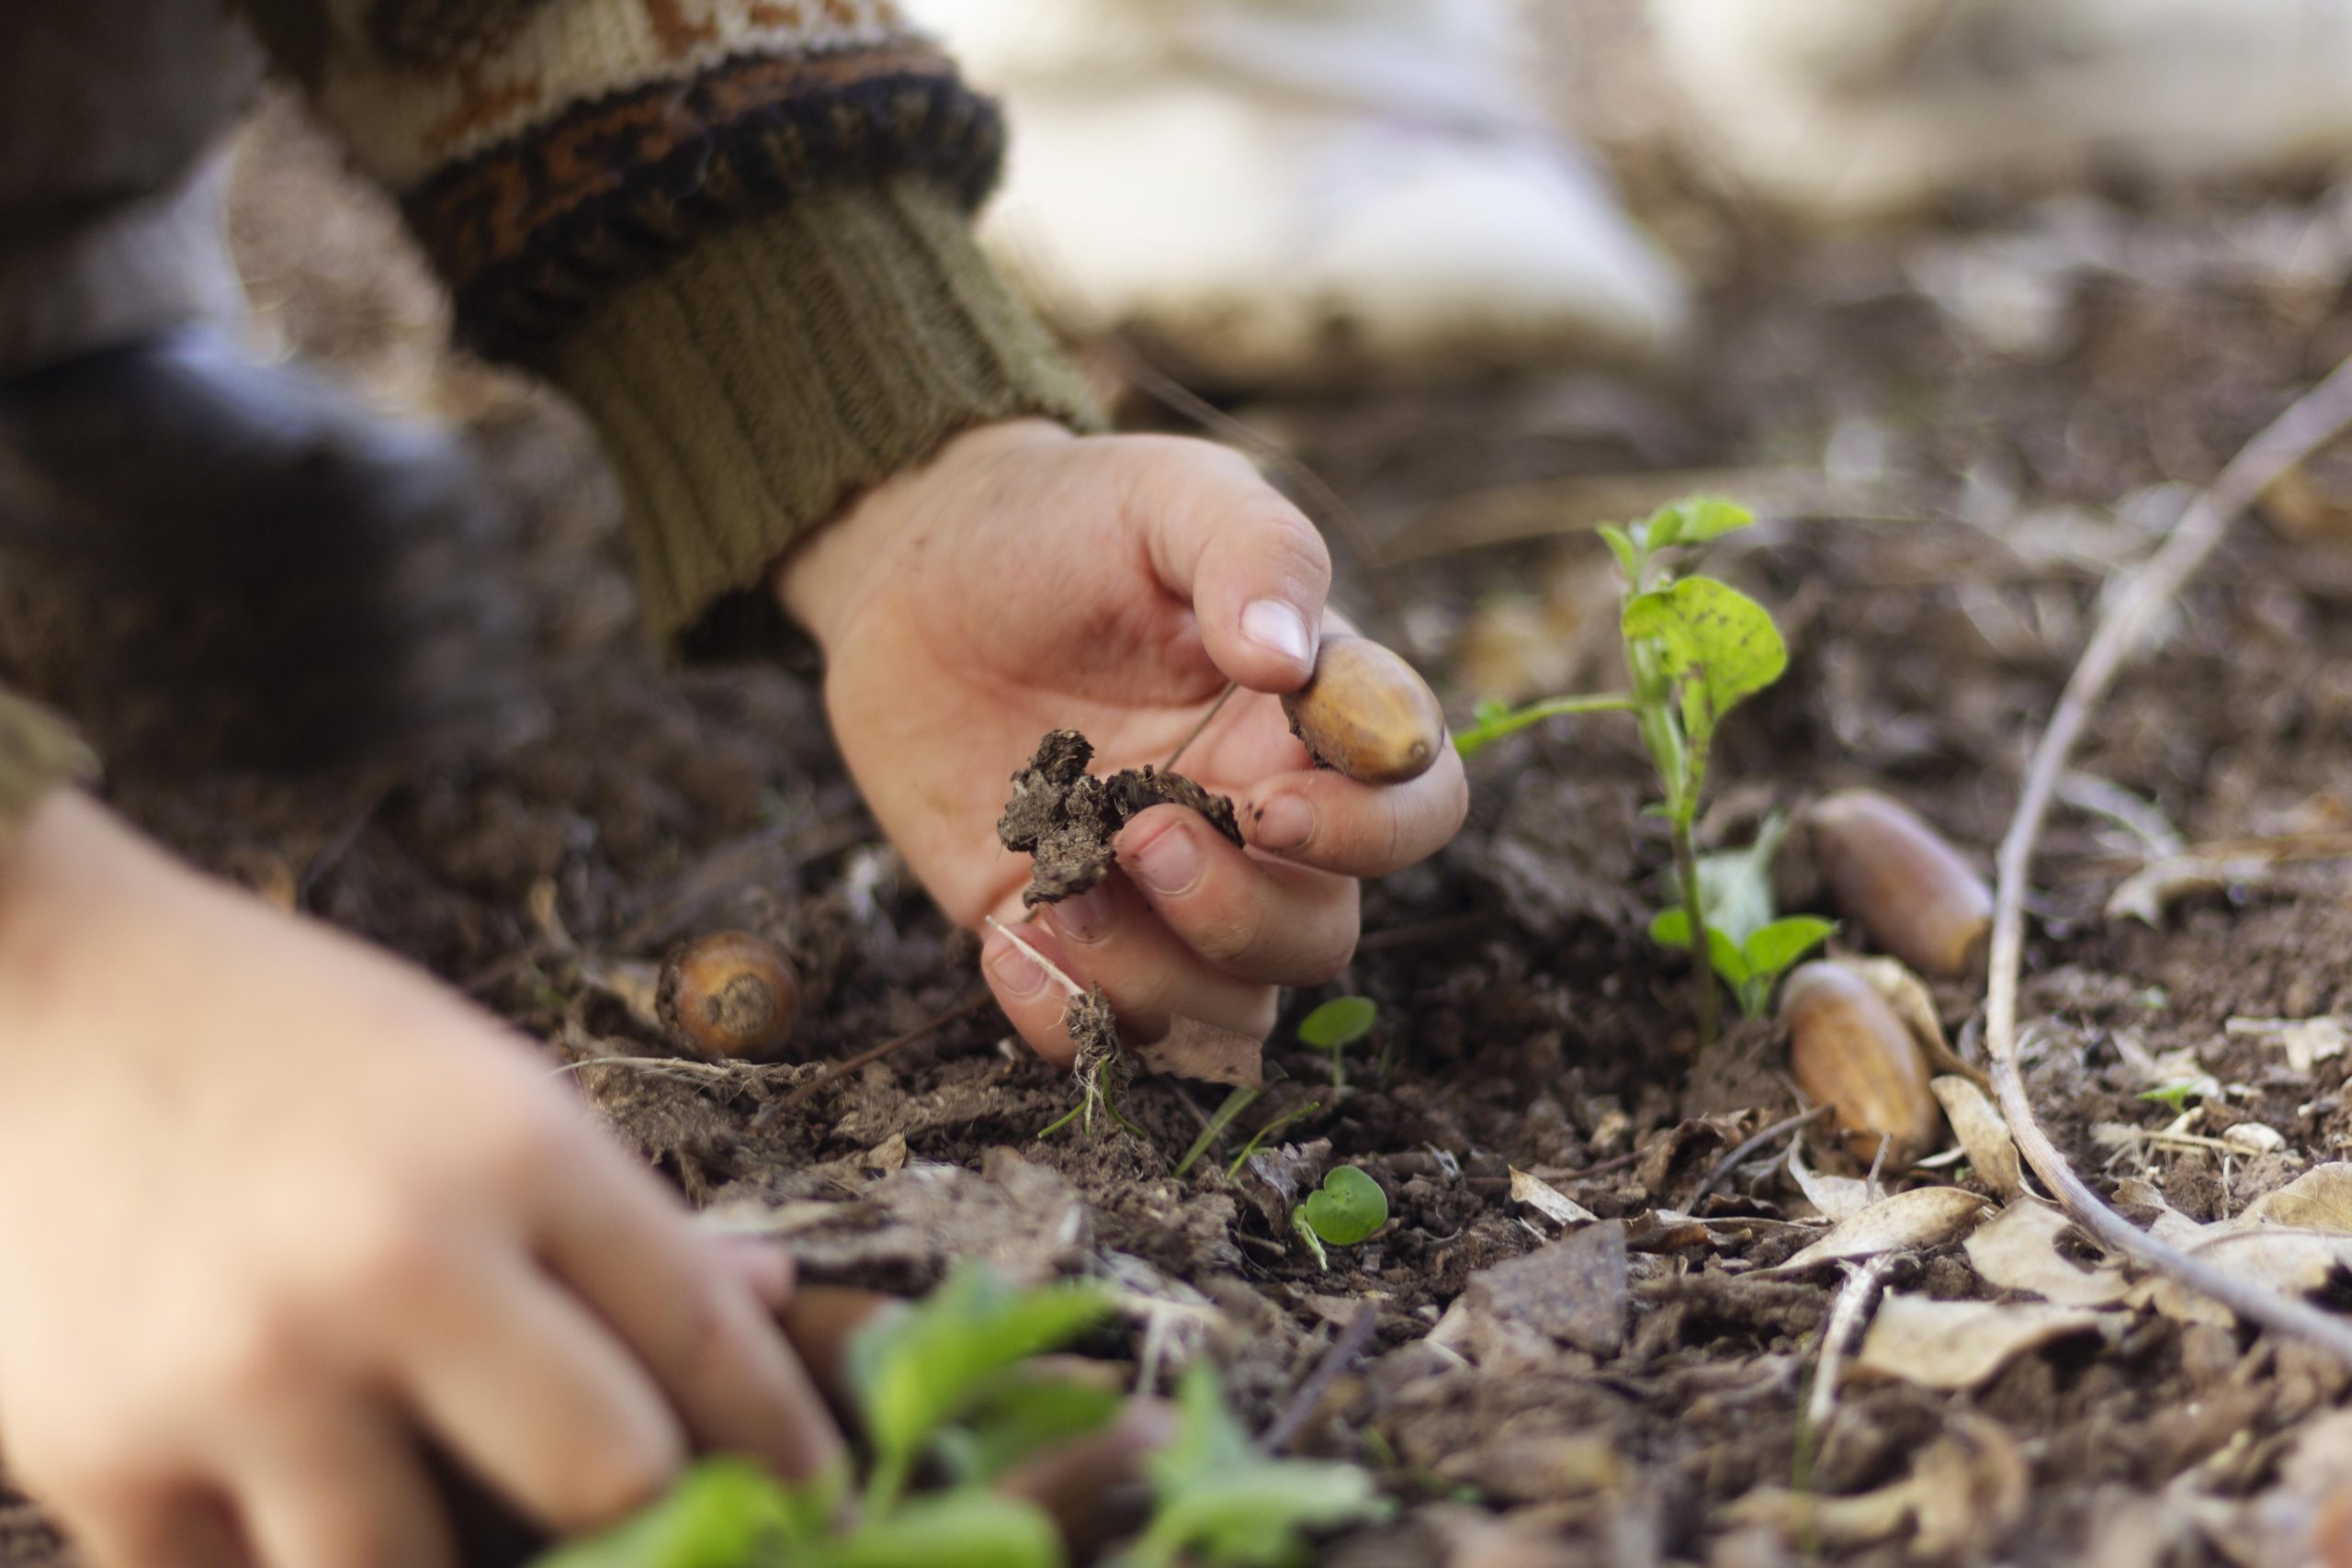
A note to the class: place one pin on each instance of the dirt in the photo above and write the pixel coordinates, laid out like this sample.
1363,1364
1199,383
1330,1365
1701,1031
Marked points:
1065,819
1960,510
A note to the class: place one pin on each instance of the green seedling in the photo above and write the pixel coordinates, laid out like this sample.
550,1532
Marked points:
1336,1025
1750,947
2173,1096
1267,1133
1220,1502
1695,648
1347,1210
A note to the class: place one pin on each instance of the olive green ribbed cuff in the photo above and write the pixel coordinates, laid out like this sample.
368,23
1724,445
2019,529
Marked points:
752,386
38,752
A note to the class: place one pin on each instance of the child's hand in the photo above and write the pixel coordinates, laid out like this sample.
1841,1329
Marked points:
272,1206
1027,581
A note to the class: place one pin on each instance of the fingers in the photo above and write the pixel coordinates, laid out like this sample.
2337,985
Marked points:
340,1487
682,1301
538,1398
1325,820
1260,919
150,1528
1253,567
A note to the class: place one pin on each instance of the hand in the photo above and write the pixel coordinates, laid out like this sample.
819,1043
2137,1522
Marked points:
272,1205
1027,579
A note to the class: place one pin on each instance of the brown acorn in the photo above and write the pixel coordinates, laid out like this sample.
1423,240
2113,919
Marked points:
820,1321
1092,1485
729,997
1908,889
1851,1052
1367,713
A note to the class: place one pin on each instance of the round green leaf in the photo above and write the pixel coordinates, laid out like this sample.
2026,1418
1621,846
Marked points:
1342,1020
1350,1207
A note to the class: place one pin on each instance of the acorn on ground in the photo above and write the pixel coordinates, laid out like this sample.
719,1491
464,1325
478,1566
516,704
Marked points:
1905,887
1367,713
1851,1053
729,996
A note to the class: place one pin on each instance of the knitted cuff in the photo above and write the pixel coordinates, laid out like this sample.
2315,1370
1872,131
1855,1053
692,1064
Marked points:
38,752
753,385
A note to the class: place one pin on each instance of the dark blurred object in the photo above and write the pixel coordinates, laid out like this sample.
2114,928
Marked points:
208,559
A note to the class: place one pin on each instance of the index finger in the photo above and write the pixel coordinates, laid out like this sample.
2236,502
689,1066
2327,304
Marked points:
690,1316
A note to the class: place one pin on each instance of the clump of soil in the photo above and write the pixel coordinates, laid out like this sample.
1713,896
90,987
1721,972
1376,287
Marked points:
1064,818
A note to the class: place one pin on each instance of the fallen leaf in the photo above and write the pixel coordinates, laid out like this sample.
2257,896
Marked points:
2319,1199
1921,1217
1952,1345
2304,1041
2147,893
1547,1200
1569,1292
1969,1488
1206,1053
2018,1251
1983,1132
1837,1197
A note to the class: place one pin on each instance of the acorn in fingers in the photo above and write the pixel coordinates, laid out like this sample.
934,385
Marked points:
729,997
1367,713
1901,880
1851,1053
822,1321
1093,1484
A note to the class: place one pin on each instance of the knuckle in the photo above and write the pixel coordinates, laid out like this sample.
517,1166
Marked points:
519,1146
249,1359
395,1250
617,1473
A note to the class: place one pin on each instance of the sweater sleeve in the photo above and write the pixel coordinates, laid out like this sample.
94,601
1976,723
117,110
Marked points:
736,232
38,753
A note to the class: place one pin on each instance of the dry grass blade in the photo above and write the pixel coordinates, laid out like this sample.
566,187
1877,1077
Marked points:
2293,436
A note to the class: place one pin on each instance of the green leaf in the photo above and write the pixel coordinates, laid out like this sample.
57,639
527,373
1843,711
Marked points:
1699,518
1718,646
1782,943
1350,1209
1671,928
1223,1505
917,1370
1736,885
723,1513
968,1527
1338,1022
1018,1416
1621,545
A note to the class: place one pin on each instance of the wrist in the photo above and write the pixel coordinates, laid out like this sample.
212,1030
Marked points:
830,580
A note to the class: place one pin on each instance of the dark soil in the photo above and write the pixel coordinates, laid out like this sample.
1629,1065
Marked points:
1946,516
1064,818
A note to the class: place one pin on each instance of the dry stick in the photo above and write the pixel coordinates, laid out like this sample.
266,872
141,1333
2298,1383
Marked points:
867,1057
1846,1313
1730,1162
1344,1350
1216,708
2293,436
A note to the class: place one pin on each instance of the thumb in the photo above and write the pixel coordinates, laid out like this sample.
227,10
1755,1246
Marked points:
1253,567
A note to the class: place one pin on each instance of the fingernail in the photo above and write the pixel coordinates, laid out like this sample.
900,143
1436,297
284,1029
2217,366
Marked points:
1271,624
1284,822
1015,970
1168,861
1087,917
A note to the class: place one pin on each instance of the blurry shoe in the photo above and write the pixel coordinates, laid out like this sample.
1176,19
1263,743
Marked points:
1856,108
1285,190
210,560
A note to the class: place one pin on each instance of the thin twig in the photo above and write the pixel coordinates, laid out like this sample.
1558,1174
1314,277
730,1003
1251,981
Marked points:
2293,436
1337,1359
1730,1162
1216,708
1853,1308
867,1058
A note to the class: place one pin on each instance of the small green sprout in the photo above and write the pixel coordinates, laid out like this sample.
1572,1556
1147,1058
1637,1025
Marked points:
1336,1025
1266,1134
1749,946
1347,1210
1222,1503
2173,1096
1695,650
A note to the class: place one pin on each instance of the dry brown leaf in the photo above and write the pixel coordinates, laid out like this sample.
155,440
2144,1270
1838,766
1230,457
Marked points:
1573,1291
2319,1199
2304,1041
1547,1200
1952,1346
2018,1251
1206,1053
1982,1131
1921,1217
1837,1197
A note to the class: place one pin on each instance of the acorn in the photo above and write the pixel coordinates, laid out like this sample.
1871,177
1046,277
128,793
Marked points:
1092,1485
1851,1052
1365,713
729,997
1902,883
820,1321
